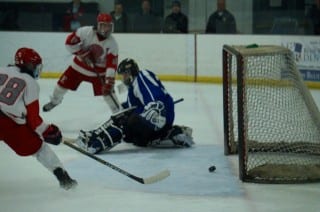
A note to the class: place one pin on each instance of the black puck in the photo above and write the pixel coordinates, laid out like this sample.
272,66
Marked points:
212,168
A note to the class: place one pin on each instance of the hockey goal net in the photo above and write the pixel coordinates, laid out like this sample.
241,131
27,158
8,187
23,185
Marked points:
270,117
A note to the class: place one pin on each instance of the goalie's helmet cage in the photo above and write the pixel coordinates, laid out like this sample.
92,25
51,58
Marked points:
104,24
29,61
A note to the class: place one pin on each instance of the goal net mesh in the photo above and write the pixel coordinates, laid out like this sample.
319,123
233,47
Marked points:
270,117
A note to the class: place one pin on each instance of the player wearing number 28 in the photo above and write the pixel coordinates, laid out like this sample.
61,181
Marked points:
95,61
21,126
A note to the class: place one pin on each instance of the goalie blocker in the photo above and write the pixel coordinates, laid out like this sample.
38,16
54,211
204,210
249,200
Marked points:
139,129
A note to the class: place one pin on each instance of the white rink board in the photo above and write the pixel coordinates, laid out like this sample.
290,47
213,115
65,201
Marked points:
166,54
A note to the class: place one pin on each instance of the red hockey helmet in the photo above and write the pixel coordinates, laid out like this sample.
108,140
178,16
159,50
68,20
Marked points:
104,17
29,61
104,24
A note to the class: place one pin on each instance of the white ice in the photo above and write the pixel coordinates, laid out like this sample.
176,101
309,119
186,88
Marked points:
27,186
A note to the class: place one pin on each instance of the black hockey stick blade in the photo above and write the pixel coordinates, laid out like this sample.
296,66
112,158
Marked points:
148,180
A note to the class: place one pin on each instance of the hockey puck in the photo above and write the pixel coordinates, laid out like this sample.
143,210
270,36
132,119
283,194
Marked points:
212,168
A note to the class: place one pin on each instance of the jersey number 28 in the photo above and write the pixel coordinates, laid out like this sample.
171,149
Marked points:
10,89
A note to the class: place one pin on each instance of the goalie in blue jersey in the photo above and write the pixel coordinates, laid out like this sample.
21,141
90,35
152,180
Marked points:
146,120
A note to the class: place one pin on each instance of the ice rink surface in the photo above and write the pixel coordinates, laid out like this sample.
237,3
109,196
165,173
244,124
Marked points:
26,186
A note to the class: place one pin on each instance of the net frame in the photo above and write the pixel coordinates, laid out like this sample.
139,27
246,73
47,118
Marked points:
281,161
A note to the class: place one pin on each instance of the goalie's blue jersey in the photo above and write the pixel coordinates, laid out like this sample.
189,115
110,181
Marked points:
145,88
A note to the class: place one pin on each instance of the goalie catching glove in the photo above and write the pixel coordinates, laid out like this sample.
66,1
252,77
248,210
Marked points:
52,135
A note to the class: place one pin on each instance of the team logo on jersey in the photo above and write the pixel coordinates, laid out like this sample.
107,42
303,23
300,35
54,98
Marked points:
96,51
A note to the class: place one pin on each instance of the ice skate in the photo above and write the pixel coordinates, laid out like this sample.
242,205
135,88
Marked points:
49,106
65,181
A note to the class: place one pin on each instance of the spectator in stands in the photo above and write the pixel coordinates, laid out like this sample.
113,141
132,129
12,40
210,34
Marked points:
74,12
176,22
313,17
146,21
221,21
120,18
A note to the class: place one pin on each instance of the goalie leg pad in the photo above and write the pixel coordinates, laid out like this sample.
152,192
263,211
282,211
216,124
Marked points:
102,139
180,136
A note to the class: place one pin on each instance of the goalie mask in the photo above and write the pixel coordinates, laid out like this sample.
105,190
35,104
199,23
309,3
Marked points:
129,69
29,61
104,25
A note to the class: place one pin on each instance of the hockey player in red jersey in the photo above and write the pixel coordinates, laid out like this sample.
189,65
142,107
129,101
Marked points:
95,61
22,128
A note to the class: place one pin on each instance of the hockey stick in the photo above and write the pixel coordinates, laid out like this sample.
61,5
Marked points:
148,180
178,100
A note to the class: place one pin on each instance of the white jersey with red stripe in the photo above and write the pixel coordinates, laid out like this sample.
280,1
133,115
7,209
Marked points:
103,50
19,98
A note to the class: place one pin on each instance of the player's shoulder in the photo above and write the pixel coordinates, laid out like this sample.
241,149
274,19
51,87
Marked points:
86,30
8,69
111,41
14,72
145,72
111,37
11,71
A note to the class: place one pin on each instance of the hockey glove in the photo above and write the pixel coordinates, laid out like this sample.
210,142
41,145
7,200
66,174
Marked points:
86,57
108,86
155,113
52,135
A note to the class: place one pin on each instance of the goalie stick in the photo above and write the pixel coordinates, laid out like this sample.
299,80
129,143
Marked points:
148,180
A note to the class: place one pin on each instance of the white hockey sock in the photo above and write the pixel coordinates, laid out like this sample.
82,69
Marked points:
58,94
47,157
113,102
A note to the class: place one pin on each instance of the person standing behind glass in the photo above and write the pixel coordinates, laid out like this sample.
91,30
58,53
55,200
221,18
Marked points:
314,17
146,21
221,21
176,22
120,18
72,14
